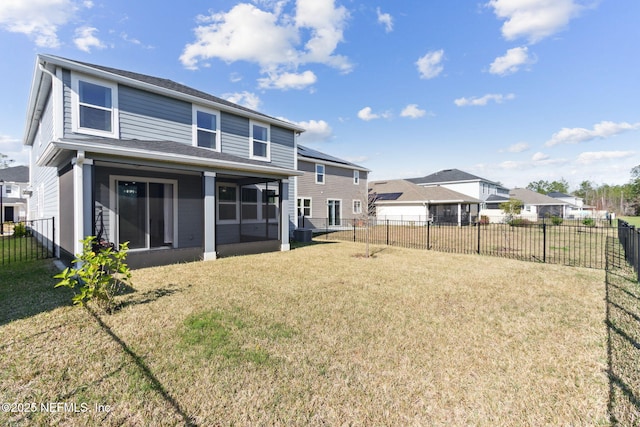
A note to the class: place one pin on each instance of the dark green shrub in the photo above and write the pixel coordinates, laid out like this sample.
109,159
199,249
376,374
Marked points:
520,222
20,230
556,220
589,222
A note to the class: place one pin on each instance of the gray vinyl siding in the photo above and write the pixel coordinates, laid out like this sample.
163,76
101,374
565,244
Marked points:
145,115
235,145
66,96
233,124
190,203
338,184
66,218
282,147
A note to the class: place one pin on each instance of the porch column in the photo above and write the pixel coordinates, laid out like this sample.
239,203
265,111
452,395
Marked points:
82,200
459,214
209,184
284,215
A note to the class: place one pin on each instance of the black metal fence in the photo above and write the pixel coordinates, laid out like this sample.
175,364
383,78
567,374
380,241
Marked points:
573,245
27,240
629,238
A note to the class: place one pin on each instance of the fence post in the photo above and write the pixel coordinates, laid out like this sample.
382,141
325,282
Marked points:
428,234
478,225
387,223
544,241
354,229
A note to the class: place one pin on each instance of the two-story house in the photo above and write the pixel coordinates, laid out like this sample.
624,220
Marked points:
331,192
13,183
465,183
178,173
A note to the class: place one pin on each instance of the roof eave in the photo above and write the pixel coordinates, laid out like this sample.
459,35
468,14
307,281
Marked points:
56,147
327,162
74,66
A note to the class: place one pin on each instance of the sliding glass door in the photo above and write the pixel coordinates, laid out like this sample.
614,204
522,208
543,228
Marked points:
145,214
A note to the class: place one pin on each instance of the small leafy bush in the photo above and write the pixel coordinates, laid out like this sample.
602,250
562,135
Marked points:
589,222
556,220
484,220
100,274
20,230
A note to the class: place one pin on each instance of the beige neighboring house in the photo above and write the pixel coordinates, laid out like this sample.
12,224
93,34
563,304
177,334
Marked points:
535,206
402,200
15,182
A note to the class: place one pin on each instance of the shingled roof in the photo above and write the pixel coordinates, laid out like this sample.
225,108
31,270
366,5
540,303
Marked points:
447,176
530,197
406,191
310,153
15,174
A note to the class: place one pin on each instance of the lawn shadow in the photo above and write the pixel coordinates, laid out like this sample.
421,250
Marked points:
147,296
299,245
144,369
27,289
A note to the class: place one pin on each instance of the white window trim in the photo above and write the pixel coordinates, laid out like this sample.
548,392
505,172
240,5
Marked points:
238,197
194,126
353,206
324,173
75,106
356,177
113,200
310,206
268,141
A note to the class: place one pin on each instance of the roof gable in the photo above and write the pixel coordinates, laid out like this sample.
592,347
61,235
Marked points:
447,176
530,197
402,190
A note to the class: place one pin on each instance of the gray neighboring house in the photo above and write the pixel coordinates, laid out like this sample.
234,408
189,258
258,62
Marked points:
15,182
331,192
402,200
178,173
465,183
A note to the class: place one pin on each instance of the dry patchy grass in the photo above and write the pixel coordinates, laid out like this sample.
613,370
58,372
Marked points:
323,336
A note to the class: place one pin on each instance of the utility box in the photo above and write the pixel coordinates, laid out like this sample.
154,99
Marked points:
303,235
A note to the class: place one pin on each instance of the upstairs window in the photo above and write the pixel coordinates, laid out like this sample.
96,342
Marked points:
206,129
95,107
356,177
260,145
319,174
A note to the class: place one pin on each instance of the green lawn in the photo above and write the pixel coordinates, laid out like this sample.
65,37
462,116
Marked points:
632,220
319,335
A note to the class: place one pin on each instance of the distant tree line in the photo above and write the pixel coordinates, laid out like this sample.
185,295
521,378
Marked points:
622,199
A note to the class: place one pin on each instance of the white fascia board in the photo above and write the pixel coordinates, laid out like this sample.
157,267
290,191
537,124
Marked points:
73,66
88,147
40,86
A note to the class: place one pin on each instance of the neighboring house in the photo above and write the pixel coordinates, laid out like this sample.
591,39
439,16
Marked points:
535,206
575,207
14,182
331,191
403,200
463,182
178,173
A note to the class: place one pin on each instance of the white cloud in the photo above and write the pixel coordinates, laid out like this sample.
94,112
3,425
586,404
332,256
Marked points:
511,61
480,102
603,129
518,147
367,114
539,156
596,156
429,65
534,19
38,19
85,39
386,20
315,131
246,99
288,80
274,40
412,111
14,150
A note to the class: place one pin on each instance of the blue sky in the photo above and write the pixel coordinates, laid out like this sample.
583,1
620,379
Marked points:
511,90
